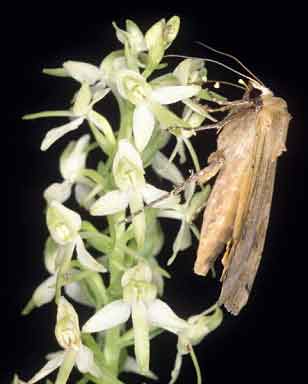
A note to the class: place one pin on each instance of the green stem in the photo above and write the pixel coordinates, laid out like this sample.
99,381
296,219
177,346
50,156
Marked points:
193,154
196,365
112,350
126,123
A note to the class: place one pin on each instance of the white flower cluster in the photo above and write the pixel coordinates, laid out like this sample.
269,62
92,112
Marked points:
127,252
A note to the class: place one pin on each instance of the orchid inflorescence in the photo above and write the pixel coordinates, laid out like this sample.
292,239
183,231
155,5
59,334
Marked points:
118,188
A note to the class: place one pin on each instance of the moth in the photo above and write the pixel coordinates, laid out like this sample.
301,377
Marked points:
236,217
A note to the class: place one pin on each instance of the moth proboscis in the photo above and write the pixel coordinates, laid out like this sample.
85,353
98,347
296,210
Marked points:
237,211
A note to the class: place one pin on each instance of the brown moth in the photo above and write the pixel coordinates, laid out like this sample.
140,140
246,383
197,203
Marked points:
251,139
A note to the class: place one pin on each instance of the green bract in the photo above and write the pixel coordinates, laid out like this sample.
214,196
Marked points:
155,110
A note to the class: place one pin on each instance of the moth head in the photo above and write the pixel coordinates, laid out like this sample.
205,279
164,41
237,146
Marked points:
260,87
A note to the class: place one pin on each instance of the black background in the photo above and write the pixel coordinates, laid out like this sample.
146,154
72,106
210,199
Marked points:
264,342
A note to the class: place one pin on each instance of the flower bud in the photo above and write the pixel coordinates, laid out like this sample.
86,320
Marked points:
171,30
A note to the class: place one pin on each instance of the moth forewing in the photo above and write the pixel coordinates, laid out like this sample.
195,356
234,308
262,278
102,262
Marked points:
238,208
220,213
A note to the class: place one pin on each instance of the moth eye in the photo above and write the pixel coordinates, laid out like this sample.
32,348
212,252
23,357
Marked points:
255,93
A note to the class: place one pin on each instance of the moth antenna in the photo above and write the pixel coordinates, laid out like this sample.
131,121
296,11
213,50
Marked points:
214,62
231,57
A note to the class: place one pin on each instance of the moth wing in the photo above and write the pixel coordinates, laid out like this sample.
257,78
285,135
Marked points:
253,212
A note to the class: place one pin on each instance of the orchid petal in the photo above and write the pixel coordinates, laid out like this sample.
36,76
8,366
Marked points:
74,291
171,214
56,133
111,315
73,158
86,259
82,72
141,335
110,203
182,241
82,192
51,366
82,100
103,125
172,94
166,169
99,92
58,191
126,151
164,199
45,292
51,251
85,361
143,126
161,315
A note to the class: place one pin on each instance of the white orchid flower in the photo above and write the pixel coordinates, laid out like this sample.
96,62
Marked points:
74,352
81,110
72,162
199,326
132,190
64,226
140,302
149,104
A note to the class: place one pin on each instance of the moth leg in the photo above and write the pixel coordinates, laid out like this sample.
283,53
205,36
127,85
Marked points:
215,161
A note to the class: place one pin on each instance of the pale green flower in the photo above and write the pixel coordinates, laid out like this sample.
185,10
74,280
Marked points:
150,103
81,110
64,226
132,190
74,352
199,326
140,302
